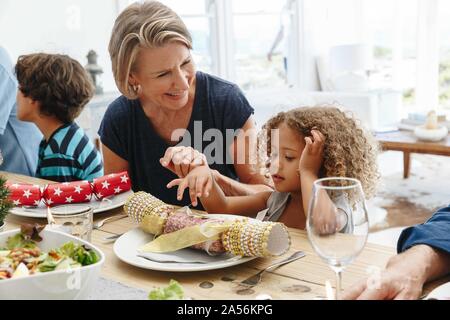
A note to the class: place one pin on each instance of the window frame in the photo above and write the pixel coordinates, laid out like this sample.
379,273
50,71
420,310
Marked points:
220,16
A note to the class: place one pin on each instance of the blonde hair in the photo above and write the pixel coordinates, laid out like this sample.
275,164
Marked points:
349,151
148,24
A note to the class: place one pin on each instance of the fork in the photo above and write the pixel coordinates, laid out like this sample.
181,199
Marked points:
99,224
256,278
113,237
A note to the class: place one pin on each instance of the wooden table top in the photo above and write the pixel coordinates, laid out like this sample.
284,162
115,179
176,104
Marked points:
403,140
302,279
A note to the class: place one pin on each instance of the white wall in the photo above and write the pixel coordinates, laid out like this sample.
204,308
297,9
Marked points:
323,24
60,26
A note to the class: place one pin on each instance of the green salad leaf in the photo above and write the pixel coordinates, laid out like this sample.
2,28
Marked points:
68,249
20,241
79,253
174,291
27,238
48,264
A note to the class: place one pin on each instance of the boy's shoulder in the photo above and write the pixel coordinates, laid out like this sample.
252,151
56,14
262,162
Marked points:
70,153
68,141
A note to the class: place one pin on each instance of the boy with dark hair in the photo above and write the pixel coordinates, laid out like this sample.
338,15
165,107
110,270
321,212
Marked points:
53,90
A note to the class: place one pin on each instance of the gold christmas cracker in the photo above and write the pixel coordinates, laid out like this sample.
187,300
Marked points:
147,210
240,236
250,237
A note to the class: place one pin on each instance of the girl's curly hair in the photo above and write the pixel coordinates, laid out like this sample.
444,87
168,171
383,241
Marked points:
349,150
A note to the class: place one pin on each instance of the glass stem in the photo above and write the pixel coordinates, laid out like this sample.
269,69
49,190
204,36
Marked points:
338,283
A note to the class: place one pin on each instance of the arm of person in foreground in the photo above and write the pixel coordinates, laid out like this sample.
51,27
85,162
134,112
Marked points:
426,257
404,276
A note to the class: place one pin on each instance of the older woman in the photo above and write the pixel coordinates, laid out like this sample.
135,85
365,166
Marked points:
168,107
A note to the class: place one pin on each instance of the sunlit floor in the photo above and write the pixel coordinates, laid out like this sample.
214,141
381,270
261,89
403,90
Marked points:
404,202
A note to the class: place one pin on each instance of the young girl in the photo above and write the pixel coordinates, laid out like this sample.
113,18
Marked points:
303,145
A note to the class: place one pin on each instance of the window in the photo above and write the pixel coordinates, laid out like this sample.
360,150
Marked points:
261,37
195,16
444,53
238,40
65,26
392,29
233,39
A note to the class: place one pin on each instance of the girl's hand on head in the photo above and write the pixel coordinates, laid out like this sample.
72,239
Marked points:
199,181
182,160
312,156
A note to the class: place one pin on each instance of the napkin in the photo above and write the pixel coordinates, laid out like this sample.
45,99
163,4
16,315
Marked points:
185,256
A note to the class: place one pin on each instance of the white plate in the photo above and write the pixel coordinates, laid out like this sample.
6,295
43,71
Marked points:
98,206
440,293
126,249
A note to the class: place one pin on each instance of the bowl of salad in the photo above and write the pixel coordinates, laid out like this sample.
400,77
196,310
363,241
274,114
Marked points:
41,263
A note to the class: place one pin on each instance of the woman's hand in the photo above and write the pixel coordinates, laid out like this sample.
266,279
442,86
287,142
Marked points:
199,181
182,160
312,156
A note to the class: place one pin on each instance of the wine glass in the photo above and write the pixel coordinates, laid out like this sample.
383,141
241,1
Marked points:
337,223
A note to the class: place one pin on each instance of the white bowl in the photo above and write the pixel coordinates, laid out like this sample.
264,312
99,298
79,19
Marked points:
431,134
53,285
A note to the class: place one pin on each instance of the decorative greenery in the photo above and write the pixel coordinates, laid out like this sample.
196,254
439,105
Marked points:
5,204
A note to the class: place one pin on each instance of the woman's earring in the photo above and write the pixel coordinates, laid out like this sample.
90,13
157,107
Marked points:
137,88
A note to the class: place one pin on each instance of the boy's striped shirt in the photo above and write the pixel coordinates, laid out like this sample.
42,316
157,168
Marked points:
69,155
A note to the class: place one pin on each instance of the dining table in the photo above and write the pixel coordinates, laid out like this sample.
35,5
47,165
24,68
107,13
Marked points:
307,278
